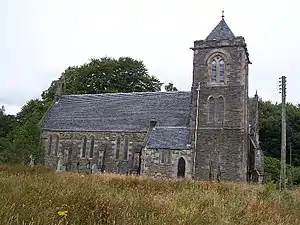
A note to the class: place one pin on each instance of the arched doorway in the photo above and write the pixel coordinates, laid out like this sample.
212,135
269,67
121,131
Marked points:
181,168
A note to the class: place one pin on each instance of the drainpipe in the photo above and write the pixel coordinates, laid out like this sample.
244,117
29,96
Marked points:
196,130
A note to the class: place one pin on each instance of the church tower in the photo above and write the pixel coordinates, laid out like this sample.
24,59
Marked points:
219,110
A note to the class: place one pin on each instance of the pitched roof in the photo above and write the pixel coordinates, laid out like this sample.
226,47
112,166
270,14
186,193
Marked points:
169,138
129,112
220,32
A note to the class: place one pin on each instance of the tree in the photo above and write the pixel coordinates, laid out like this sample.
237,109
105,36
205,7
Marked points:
270,129
2,110
102,75
105,75
7,122
170,87
25,138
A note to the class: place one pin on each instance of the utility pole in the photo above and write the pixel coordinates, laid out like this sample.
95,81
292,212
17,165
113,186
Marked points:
283,133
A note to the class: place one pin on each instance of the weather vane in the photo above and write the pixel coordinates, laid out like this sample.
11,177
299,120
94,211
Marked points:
222,14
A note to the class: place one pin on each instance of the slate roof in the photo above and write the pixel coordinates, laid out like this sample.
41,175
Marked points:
220,32
169,138
128,112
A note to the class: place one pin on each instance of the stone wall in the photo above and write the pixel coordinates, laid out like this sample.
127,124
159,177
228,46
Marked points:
71,143
220,150
153,166
233,131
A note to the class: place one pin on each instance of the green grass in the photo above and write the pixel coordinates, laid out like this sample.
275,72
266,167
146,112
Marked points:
38,195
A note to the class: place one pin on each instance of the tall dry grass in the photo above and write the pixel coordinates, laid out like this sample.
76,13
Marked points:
40,196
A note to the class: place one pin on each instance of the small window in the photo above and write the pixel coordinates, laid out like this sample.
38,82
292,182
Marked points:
211,109
126,145
83,151
166,156
220,109
169,158
56,145
91,155
118,147
163,156
49,144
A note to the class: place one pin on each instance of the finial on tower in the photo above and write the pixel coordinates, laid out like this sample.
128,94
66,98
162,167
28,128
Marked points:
223,14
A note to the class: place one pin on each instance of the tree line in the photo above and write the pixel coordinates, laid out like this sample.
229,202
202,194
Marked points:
20,133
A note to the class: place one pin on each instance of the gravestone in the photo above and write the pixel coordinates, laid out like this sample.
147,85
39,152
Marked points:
94,169
31,163
59,163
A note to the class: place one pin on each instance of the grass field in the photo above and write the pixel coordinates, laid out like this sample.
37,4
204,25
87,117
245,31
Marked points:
40,196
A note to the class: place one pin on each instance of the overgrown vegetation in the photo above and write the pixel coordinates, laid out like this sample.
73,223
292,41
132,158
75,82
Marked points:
40,196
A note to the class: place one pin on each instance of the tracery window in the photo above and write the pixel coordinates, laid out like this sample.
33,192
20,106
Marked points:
217,70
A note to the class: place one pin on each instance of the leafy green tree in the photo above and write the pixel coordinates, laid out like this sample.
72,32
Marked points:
105,75
7,122
102,75
272,168
170,87
24,139
270,130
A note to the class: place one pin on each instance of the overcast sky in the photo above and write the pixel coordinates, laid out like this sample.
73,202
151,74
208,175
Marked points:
41,38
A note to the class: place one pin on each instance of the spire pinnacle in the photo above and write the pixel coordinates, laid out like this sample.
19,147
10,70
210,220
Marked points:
223,14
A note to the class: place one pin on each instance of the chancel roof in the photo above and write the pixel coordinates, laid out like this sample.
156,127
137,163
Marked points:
169,138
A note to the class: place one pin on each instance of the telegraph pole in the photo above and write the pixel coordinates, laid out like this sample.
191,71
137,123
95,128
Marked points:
283,133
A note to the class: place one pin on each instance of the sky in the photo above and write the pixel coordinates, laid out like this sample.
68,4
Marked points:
41,38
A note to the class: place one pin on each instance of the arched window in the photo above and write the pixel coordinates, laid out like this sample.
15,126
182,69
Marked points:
217,70
126,145
163,156
83,150
56,145
169,157
91,153
118,147
214,71
220,109
211,109
221,71
49,144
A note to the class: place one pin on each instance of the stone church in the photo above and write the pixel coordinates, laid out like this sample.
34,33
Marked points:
208,133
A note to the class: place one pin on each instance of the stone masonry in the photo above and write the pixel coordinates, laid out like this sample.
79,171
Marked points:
209,133
104,152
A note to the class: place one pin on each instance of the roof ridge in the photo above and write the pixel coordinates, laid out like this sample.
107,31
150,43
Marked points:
172,127
127,93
